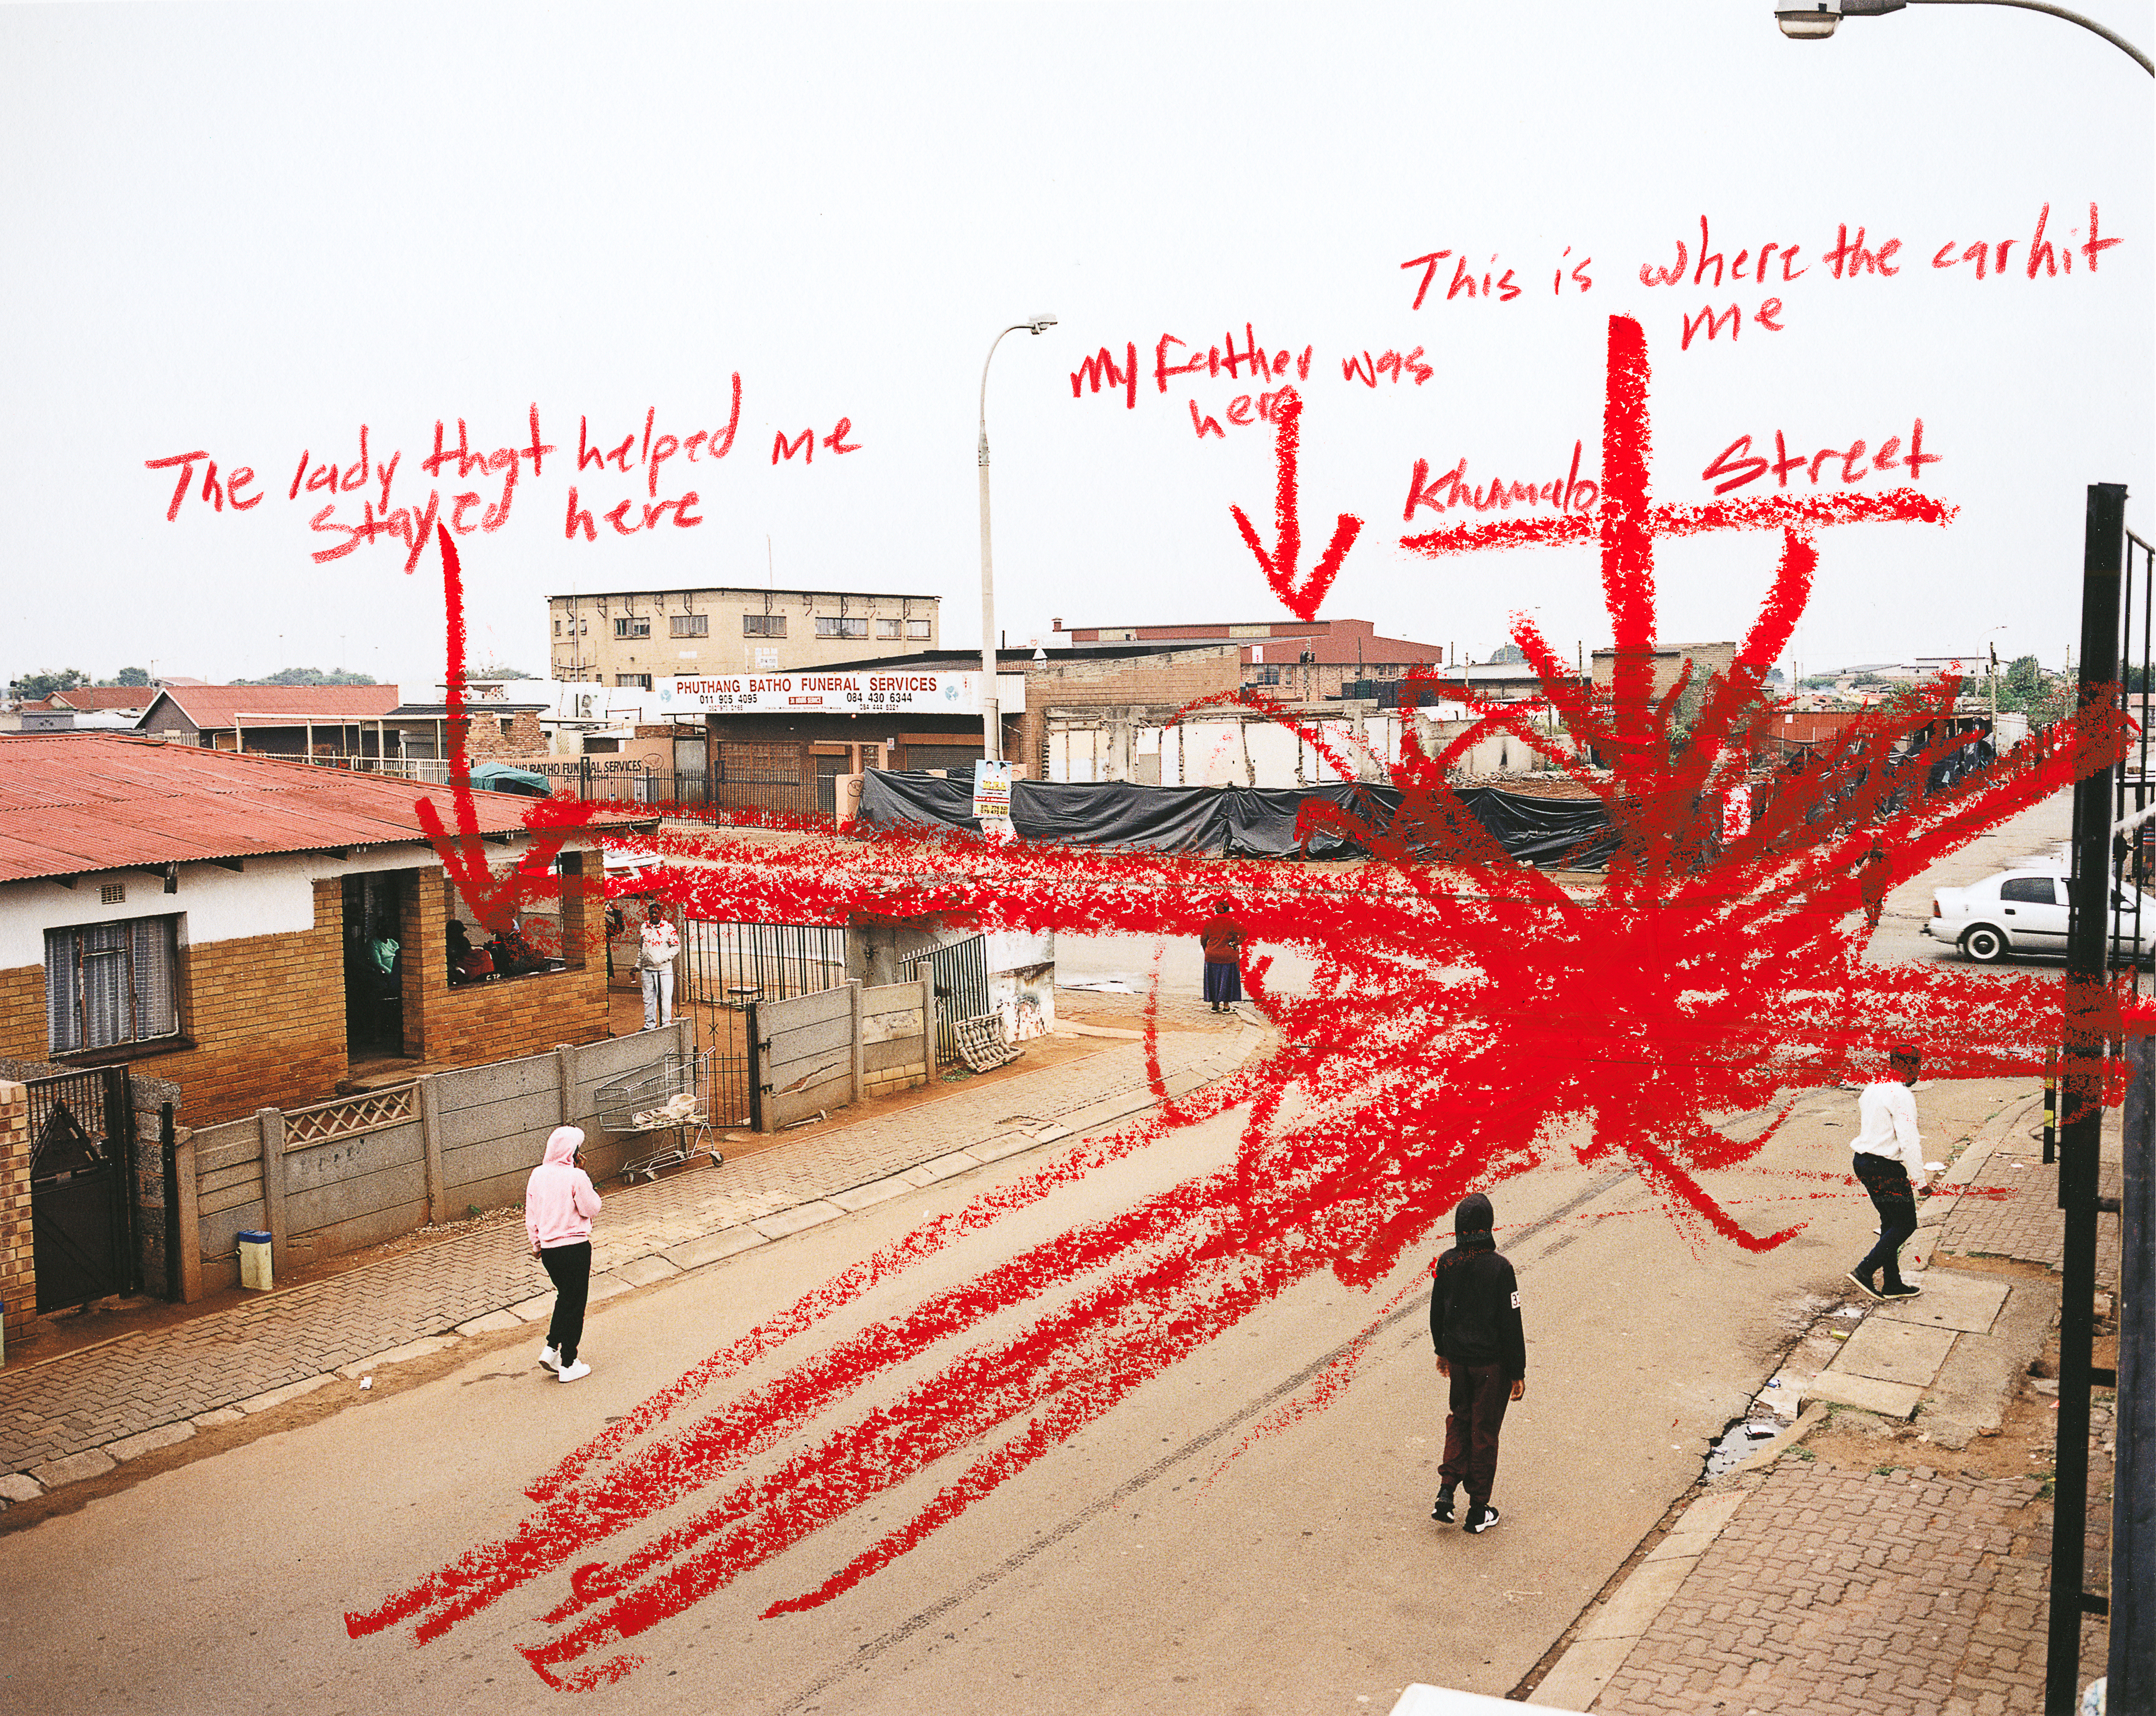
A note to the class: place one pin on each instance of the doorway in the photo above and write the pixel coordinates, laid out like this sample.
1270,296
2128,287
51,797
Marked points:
374,965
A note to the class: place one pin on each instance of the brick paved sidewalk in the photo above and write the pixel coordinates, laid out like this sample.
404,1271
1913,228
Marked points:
77,1414
1860,1577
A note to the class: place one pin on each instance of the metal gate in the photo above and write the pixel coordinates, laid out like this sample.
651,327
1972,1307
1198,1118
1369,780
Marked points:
82,1136
730,967
960,973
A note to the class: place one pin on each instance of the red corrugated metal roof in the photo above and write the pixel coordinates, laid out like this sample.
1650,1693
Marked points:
216,705
73,804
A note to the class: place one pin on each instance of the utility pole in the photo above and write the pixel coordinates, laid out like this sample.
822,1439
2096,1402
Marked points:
2088,940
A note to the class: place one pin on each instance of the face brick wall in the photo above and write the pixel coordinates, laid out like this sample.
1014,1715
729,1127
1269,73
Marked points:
18,1269
1159,685
510,1016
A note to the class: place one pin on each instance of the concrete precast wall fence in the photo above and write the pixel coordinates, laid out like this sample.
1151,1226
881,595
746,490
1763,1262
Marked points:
336,1177
826,1050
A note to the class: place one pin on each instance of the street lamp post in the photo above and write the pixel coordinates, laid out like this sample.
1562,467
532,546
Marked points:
2132,1601
1815,20
991,712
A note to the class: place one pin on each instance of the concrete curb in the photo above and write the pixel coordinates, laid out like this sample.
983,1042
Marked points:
649,1269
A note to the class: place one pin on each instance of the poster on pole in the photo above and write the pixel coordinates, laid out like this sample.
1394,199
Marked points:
992,788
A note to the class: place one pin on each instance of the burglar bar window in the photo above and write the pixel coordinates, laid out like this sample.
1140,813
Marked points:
917,628
763,625
888,628
690,625
109,984
833,626
635,627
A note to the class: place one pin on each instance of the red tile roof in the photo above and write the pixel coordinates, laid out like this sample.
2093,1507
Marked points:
215,706
86,697
72,804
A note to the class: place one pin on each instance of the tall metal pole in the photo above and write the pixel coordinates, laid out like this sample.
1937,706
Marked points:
2131,1676
2088,940
992,735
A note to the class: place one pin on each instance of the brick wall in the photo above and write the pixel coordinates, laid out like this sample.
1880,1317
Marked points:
265,1014
511,1016
19,1268
23,1013
485,737
1159,685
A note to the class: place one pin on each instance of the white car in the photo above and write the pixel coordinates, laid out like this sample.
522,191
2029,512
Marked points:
2025,911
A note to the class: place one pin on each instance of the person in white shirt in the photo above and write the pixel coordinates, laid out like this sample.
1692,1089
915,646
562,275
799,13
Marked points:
1889,1159
656,948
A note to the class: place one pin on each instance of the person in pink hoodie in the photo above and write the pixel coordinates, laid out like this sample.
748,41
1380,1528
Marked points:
559,1203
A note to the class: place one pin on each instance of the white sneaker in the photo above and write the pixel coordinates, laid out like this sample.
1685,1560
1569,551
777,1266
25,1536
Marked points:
570,1373
550,1357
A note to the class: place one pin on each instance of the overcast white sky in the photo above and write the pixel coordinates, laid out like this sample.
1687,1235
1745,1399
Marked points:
251,229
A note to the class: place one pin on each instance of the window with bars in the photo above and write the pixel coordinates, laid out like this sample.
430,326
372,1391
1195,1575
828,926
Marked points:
838,626
763,625
917,628
110,984
688,625
890,628
633,625
640,681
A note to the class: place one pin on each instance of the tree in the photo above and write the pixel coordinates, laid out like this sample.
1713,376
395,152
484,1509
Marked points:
1507,654
311,676
32,686
498,670
128,676
1816,682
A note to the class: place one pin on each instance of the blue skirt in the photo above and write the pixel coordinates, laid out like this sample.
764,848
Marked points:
1224,981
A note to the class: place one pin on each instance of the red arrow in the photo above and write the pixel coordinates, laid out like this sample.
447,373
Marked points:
1280,565
494,905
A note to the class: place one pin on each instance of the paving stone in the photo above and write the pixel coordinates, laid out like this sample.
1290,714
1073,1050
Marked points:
642,1272
994,1149
799,1217
1894,1352
1639,1600
73,1469
493,1323
221,1415
605,1287
943,1167
289,1391
876,1191
129,1447
1581,1673
20,1486
1951,1298
397,1355
712,1246
538,1309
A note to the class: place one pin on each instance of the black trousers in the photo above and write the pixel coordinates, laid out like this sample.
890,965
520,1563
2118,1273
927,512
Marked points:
1480,1395
1892,1196
569,1267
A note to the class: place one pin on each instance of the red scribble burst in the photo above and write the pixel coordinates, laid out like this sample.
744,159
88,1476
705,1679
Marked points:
1466,1009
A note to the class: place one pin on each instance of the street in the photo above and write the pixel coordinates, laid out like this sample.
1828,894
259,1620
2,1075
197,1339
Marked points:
1234,1534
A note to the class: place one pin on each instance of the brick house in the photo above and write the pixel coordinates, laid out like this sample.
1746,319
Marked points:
262,932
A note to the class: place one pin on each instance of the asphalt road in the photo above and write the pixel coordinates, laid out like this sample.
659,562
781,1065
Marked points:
1168,1556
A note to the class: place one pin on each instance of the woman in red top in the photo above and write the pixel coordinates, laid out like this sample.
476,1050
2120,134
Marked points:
1223,939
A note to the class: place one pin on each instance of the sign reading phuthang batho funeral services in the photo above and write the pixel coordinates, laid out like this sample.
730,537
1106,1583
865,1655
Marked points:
854,693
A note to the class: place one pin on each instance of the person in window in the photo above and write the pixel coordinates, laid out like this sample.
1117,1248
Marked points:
467,963
513,956
1222,937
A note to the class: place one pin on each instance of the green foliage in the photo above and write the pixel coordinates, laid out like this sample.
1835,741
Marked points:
2024,687
311,676
1507,654
1816,682
32,686
498,670
128,676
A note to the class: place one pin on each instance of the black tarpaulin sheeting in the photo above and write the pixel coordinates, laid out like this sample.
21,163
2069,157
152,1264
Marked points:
1241,821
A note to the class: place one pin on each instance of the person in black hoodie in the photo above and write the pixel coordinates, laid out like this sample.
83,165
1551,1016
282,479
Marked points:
1474,1325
